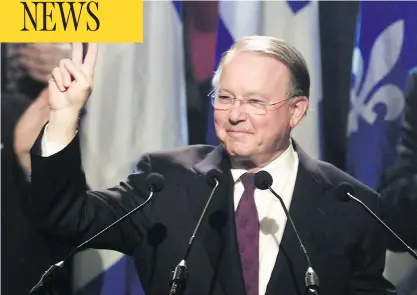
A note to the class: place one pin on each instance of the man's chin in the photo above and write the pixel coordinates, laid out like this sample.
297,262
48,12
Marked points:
239,152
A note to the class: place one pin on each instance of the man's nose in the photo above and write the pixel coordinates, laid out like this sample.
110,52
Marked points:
237,112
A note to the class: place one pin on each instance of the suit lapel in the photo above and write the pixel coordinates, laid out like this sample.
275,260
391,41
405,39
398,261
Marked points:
218,232
289,271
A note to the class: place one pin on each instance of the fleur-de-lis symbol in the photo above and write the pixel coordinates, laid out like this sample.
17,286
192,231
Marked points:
388,46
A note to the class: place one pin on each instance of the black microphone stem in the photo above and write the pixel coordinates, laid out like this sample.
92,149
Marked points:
110,226
303,249
263,180
311,278
49,274
190,243
408,248
180,274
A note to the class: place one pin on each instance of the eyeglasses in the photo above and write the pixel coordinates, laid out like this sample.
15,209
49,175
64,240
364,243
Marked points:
250,106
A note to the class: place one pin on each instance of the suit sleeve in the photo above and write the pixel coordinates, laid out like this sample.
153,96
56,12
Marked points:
369,260
66,209
399,183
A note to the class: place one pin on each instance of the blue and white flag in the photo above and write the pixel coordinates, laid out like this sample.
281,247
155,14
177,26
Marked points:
385,50
138,105
237,19
297,22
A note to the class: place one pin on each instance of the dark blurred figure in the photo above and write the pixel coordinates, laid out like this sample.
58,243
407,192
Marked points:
24,110
200,20
399,188
399,184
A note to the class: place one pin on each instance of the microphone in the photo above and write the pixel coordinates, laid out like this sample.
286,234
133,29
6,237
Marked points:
214,178
344,193
154,183
263,181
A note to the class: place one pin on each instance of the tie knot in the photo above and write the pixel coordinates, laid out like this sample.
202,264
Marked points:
247,181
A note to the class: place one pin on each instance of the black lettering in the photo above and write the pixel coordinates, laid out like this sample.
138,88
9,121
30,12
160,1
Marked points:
45,15
96,20
26,11
65,20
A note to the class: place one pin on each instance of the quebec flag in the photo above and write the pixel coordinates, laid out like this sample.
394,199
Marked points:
138,105
237,19
385,50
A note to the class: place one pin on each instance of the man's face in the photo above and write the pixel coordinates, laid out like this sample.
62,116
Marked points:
247,136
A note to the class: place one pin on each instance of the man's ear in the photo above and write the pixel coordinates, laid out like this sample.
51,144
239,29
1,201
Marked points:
299,106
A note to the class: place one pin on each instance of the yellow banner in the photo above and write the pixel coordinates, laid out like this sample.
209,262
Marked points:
71,21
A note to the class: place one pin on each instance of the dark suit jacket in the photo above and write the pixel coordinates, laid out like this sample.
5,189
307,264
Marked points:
399,184
342,240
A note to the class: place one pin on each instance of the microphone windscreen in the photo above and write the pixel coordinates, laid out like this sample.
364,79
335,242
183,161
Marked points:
263,180
154,182
342,191
214,175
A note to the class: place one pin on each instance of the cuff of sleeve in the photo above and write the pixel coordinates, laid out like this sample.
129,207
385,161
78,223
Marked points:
50,148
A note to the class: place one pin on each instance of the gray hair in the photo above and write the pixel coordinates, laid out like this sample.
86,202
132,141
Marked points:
277,49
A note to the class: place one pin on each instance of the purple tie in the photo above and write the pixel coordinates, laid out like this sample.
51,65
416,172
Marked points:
247,228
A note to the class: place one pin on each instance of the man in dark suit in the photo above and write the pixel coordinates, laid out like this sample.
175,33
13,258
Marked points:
399,184
245,244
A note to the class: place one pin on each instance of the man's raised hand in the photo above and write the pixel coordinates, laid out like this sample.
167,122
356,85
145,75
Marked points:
72,81
69,88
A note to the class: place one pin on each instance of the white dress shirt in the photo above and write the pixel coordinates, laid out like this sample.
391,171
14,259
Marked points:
272,217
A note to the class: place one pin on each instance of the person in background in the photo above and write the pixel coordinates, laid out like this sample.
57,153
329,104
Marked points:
399,183
27,127
26,253
399,189
26,66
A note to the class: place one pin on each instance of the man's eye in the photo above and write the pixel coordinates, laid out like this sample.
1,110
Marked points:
224,98
255,101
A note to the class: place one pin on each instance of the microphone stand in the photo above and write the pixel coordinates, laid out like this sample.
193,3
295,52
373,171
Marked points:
311,279
344,193
407,247
263,181
311,282
44,286
180,274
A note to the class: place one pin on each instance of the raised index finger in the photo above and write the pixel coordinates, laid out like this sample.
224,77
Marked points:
91,56
77,53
